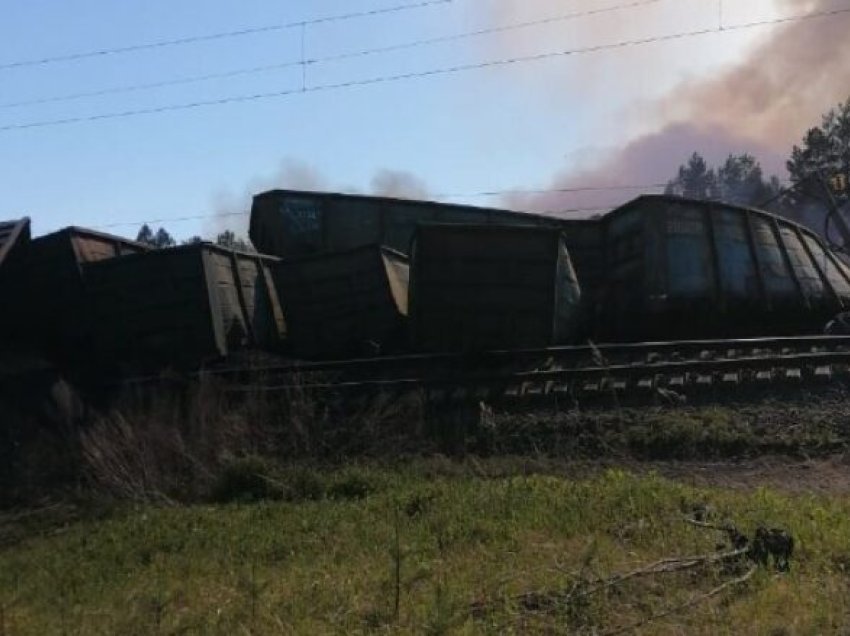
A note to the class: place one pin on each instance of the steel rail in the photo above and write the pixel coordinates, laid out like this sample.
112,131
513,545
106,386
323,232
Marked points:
559,352
653,370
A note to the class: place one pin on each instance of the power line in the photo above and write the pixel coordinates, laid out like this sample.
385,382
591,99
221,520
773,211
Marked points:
195,39
498,193
304,61
489,31
233,99
436,197
174,219
200,217
193,79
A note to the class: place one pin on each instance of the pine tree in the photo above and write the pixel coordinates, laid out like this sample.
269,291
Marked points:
825,152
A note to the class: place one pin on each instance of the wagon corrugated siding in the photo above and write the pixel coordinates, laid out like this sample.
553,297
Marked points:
682,268
345,303
490,287
185,304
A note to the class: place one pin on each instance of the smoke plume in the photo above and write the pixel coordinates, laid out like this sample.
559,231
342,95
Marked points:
399,184
231,209
761,105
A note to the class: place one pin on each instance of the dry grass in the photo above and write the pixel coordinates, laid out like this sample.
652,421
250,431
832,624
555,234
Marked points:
157,446
177,443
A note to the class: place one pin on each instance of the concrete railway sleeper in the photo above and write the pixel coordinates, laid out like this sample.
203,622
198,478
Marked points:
721,369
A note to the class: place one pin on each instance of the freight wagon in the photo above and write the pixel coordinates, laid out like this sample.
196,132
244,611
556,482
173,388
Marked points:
291,223
679,268
51,314
475,288
351,303
183,305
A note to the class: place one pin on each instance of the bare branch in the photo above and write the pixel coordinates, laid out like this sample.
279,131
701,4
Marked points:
683,606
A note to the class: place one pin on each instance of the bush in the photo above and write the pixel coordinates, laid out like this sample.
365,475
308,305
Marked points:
246,479
353,484
301,483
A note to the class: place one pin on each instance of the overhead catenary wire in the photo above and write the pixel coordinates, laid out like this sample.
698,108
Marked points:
491,30
208,37
305,61
520,191
131,88
438,197
446,70
201,217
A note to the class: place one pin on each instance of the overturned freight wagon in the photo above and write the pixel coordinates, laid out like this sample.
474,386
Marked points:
680,268
51,313
350,303
183,306
292,223
491,287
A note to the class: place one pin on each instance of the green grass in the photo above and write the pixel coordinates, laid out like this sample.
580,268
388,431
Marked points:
323,561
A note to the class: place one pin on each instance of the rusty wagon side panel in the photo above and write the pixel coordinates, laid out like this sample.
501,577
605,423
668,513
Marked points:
183,305
491,287
345,303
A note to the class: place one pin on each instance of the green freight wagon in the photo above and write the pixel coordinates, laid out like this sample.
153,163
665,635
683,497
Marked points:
478,288
351,303
681,268
184,305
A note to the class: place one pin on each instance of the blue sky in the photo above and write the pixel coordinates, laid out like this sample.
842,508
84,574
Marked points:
495,129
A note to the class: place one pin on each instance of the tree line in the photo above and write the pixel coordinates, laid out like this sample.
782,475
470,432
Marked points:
161,239
819,169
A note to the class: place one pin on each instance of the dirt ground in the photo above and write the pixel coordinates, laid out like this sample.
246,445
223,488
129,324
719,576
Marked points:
816,476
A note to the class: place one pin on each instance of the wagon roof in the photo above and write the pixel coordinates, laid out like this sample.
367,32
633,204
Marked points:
645,199
411,202
89,233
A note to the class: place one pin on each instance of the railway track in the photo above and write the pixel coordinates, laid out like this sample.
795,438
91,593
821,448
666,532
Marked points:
631,369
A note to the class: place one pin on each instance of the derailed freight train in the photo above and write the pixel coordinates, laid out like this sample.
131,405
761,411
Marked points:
659,267
346,276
